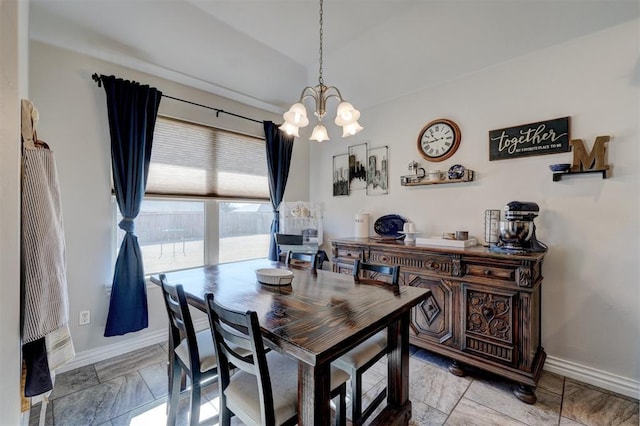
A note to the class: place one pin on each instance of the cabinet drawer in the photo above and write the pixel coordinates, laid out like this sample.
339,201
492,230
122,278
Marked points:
343,268
425,263
494,272
349,254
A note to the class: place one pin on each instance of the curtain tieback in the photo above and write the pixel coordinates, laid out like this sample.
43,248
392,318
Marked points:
276,214
127,225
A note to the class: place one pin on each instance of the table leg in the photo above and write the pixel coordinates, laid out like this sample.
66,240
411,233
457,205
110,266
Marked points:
313,394
398,361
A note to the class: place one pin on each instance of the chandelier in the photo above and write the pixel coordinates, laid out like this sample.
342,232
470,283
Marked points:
346,115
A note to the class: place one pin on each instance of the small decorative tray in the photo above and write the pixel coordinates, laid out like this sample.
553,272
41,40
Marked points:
274,276
439,241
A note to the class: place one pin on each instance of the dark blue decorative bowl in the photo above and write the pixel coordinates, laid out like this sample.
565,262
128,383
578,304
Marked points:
562,167
456,172
389,225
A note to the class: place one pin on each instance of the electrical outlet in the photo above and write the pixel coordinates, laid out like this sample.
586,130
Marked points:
84,318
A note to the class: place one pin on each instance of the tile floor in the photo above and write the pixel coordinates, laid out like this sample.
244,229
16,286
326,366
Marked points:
131,390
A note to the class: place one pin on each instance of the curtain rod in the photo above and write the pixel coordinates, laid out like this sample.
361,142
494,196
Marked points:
98,79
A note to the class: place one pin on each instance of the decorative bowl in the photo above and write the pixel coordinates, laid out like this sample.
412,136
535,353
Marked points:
456,172
562,167
389,225
274,276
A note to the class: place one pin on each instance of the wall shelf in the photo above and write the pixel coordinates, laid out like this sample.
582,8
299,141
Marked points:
558,175
416,181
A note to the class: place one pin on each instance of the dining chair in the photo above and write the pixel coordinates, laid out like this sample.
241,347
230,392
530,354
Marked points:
250,393
190,353
309,259
357,361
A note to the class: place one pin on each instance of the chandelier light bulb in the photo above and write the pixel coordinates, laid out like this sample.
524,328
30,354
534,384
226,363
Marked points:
297,115
290,129
351,129
319,133
346,114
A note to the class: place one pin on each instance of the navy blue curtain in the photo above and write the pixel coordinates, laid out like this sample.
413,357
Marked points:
132,109
279,147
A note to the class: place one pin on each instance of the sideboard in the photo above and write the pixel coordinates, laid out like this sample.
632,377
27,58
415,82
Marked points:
484,310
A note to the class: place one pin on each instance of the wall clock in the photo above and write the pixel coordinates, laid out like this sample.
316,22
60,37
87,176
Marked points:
439,140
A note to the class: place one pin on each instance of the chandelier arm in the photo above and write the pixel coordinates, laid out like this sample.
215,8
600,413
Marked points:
315,94
305,94
337,93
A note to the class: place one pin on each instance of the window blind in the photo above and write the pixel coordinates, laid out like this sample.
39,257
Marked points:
190,159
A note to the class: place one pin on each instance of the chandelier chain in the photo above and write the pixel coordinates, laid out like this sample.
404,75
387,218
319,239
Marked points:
346,115
320,79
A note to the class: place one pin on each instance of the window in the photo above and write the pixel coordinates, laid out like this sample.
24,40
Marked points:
207,198
170,234
244,231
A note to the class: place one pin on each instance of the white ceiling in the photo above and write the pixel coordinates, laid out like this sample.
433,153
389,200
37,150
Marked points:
263,52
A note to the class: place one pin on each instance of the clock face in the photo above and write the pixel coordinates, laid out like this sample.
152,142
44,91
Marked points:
438,140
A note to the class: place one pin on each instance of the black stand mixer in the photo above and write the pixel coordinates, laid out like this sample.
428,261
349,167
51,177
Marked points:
517,231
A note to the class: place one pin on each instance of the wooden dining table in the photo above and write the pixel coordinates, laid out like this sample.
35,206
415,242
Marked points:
316,319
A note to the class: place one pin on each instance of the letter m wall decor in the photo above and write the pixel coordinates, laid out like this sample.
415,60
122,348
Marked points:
544,137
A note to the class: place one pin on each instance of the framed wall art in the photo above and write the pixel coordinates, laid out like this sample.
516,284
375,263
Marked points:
543,137
340,175
357,167
377,171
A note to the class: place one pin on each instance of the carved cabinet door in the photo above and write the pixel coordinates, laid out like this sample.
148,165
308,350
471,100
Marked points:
490,322
433,319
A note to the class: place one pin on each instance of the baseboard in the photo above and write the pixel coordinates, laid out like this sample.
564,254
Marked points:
582,373
592,376
110,351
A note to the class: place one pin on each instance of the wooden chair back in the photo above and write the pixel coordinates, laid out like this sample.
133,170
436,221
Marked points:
234,333
180,322
373,271
310,260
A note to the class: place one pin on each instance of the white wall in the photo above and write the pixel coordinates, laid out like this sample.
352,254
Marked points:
14,26
591,314
73,121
